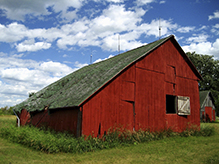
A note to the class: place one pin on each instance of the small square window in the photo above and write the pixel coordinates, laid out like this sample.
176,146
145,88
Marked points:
177,104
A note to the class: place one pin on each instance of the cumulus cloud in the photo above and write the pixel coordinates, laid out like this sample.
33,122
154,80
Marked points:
115,1
18,10
33,47
18,77
99,60
100,31
12,32
206,48
215,16
198,38
162,2
185,29
143,2
215,29
96,32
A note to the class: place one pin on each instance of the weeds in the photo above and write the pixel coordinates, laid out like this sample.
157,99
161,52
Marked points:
52,142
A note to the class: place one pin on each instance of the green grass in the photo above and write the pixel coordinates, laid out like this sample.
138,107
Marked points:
168,150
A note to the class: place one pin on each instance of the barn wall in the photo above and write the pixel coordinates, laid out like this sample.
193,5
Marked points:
169,75
57,119
208,113
136,99
111,106
24,117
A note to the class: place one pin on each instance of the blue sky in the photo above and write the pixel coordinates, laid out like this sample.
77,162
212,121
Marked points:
44,40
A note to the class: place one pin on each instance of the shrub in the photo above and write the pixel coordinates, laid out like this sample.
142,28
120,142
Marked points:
51,142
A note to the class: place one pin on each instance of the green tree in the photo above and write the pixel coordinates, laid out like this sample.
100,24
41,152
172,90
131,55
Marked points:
208,67
6,110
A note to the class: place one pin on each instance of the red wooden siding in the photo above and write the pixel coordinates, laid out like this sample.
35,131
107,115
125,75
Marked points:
136,98
110,106
24,117
208,113
59,120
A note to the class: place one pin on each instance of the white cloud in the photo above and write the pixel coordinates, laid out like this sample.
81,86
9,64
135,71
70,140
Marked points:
18,77
198,38
206,48
55,68
100,31
143,2
17,10
215,29
80,65
185,29
152,28
12,32
215,16
32,47
16,32
99,60
96,32
162,2
115,1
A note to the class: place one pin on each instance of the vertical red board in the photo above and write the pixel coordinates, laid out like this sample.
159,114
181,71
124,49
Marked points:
172,122
128,91
24,117
208,113
59,119
170,74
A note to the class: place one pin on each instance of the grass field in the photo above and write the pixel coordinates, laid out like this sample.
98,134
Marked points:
168,150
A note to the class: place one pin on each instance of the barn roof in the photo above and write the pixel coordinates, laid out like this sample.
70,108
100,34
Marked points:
203,95
73,89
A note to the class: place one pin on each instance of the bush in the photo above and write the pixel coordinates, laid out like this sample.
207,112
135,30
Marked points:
52,142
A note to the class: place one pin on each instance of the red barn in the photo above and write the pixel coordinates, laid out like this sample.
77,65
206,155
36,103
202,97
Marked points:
151,87
207,110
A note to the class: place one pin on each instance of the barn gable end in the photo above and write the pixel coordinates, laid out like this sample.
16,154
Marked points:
136,98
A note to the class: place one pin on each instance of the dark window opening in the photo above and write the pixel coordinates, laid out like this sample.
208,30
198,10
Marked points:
170,104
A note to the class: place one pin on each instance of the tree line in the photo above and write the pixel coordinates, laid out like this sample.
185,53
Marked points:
208,67
6,110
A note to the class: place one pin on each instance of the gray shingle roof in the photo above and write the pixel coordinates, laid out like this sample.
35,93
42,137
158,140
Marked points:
75,88
203,95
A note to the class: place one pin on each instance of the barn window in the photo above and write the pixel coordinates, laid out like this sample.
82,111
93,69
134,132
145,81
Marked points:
177,104
170,104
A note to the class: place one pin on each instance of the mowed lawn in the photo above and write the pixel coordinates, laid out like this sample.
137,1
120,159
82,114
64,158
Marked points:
169,150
